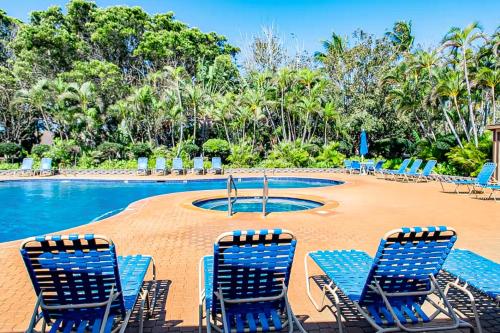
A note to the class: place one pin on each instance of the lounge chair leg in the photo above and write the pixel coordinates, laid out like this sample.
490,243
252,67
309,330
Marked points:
464,289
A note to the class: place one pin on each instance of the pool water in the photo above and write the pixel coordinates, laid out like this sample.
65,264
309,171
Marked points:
36,207
254,204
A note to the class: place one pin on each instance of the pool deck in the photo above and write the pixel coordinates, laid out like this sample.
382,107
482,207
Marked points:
356,215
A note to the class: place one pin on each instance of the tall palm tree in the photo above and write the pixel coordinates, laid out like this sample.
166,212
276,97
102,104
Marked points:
401,36
195,97
462,39
37,98
490,78
255,100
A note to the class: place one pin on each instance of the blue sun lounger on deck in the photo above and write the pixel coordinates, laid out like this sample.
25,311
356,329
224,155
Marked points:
355,166
46,167
377,167
426,173
482,179
246,280
493,188
26,167
142,166
198,165
390,290
347,166
160,166
177,166
81,285
216,165
402,168
406,175
479,272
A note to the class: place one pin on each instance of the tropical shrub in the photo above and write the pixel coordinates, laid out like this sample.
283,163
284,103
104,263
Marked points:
118,164
242,155
64,152
110,150
216,147
9,150
40,151
470,159
330,157
140,150
9,166
288,154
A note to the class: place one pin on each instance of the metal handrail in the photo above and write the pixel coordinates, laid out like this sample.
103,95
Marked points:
265,195
231,200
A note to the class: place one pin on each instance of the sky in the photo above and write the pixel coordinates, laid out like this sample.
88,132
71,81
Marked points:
304,24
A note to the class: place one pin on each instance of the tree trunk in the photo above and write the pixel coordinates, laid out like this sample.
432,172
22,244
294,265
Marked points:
469,100
462,120
494,104
452,128
283,125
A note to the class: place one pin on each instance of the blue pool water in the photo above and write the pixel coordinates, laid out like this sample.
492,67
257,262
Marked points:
35,207
254,204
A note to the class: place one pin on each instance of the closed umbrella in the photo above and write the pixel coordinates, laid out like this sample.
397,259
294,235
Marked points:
363,144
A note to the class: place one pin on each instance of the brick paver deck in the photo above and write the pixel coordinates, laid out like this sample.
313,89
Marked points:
177,234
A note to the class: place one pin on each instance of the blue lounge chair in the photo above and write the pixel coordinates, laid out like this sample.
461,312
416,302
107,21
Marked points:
26,167
142,166
198,165
482,179
81,285
402,169
377,167
217,165
355,167
401,172
160,166
46,167
390,289
406,175
426,173
246,281
177,166
493,188
347,166
471,269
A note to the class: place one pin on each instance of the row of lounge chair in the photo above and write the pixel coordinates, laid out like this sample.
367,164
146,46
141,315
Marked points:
81,284
142,166
483,181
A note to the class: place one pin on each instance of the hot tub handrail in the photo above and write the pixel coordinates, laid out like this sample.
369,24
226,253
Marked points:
265,195
230,199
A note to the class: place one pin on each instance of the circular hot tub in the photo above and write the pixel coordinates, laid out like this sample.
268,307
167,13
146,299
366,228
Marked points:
254,204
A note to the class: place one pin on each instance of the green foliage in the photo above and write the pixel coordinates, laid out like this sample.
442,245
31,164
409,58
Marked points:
189,148
64,152
9,166
40,151
118,164
140,150
110,150
330,157
9,149
216,147
242,155
470,159
435,150
286,155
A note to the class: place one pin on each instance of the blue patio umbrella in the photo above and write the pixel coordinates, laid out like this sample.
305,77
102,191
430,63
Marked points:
363,144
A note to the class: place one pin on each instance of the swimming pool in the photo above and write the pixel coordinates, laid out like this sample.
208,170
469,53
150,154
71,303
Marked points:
35,207
254,204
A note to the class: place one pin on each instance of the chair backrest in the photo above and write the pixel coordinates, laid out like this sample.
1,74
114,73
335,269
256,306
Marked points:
415,166
27,164
404,260
161,163
429,167
379,165
142,163
252,264
46,164
347,163
404,165
216,163
198,163
485,174
355,165
73,269
177,163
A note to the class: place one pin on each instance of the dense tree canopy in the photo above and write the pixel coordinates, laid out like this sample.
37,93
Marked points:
109,82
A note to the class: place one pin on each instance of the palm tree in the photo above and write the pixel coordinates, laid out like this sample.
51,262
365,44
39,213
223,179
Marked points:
195,97
284,79
335,46
401,36
462,40
255,100
37,98
490,78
